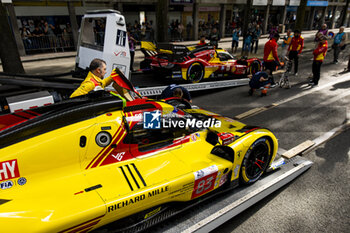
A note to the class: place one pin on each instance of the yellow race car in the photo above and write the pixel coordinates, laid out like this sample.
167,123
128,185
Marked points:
95,161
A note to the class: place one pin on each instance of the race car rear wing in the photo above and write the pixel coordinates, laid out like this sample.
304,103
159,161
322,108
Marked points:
172,52
175,52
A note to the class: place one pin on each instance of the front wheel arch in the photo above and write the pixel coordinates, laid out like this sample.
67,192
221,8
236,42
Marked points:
252,170
195,72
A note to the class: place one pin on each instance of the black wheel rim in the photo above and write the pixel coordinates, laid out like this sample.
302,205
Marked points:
195,73
257,161
282,82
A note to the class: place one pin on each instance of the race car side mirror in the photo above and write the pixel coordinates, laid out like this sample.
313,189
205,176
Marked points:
224,152
212,138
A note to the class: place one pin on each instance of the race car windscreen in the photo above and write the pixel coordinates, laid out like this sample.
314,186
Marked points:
93,33
148,139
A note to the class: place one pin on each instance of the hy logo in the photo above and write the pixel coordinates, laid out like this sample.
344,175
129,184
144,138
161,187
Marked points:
151,120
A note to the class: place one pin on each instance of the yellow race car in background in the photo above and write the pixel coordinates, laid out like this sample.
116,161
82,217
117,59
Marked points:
97,161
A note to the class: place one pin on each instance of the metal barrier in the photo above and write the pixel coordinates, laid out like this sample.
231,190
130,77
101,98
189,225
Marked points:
48,43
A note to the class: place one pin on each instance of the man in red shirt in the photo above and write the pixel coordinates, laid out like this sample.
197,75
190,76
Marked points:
270,56
319,55
295,48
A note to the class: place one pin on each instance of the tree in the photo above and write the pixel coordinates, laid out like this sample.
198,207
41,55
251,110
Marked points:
162,20
246,21
299,24
9,55
344,13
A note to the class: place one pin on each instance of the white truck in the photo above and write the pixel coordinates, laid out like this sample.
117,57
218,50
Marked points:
103,35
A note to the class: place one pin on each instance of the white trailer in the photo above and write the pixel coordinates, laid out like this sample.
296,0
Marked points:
103,35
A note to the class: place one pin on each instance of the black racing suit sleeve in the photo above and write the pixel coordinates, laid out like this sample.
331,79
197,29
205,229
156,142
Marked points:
166,93
186,94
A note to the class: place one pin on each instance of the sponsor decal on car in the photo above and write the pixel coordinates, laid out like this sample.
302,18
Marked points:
153,212
193,137
177,76
118,156
138,198
204,180
236,170
223,179
22,181
226,138
9,170
217,179
6,184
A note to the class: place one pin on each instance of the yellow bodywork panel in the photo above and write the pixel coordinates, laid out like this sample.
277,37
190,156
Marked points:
60,184
148,46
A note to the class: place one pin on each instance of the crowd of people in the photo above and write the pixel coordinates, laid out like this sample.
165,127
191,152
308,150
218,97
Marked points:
292,47
141,32
43,35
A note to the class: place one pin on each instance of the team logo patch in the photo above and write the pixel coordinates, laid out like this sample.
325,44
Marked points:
121,38
22,181
6,184
9,170
194,137
151,120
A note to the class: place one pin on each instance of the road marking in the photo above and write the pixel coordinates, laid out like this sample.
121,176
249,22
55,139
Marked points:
283,122
345,78
236,207
255,111
329,135
249,113
298,149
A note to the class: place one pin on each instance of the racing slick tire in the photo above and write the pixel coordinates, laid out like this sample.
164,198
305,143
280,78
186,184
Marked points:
254,67
255,161
195,72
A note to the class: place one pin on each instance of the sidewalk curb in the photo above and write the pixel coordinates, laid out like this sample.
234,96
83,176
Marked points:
48,58
223,40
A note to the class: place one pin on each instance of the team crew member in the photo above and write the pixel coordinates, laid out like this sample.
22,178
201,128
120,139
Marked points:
94,79
258,80
202,41
319,55
339,41
270,55
235,39
295,48
214,37
285,45
174,90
